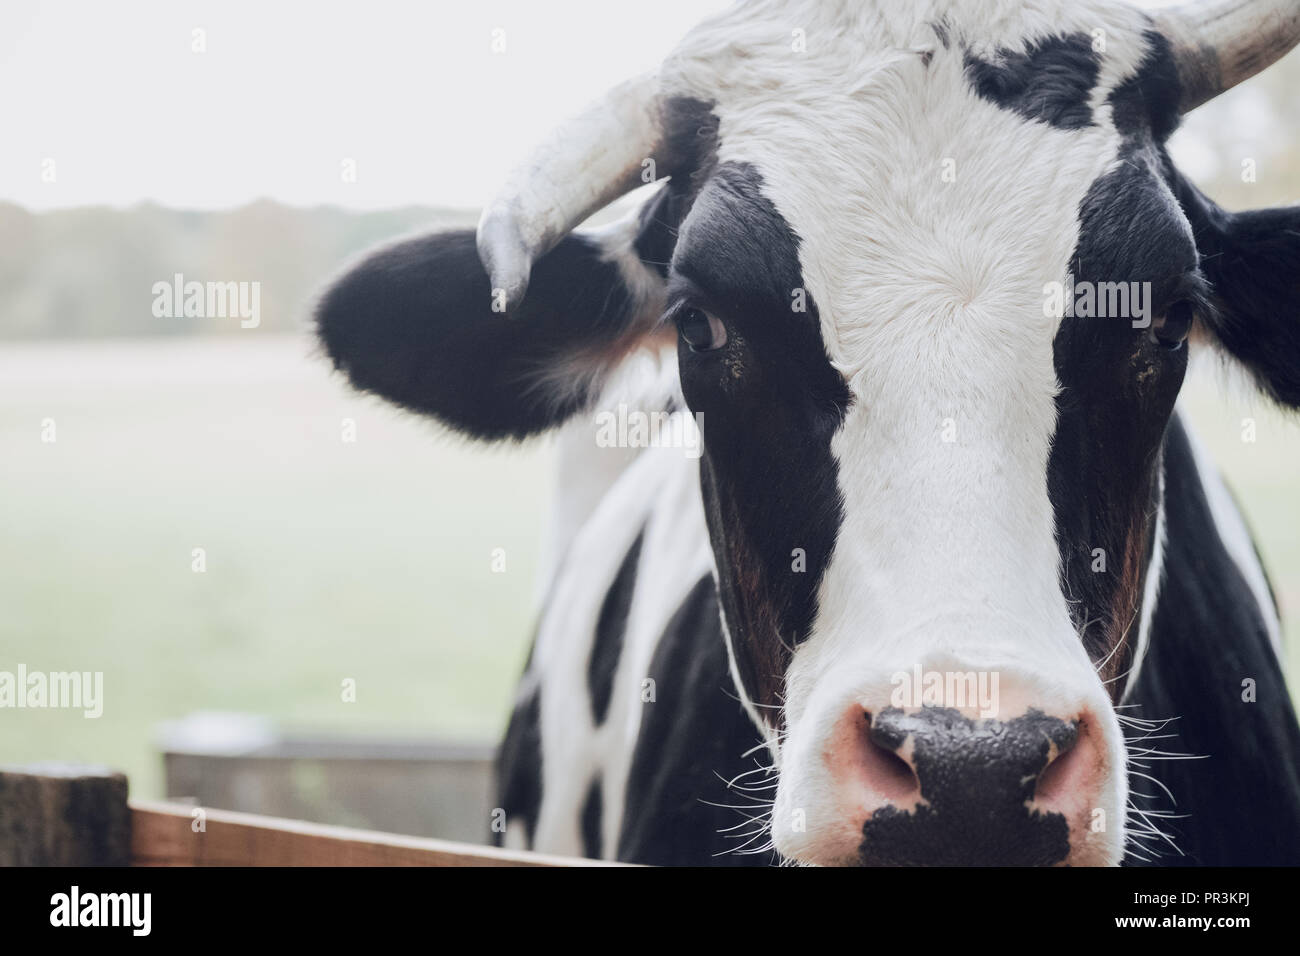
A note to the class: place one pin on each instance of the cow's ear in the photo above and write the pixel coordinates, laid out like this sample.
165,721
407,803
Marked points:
416,323
1252,260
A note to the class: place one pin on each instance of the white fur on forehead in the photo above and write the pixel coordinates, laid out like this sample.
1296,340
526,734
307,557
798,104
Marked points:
852,134
757,27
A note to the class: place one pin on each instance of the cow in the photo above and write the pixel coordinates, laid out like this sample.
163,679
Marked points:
934,571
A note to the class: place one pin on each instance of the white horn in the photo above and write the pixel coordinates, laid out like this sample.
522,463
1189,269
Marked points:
1219,43
582,166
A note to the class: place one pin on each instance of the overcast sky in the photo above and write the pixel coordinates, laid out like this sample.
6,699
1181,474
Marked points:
285,91
113,103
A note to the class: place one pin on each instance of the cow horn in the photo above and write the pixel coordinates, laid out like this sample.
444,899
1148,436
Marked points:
582,166
1219,43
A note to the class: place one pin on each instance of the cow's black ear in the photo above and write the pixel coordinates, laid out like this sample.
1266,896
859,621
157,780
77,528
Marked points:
1252,260
415,323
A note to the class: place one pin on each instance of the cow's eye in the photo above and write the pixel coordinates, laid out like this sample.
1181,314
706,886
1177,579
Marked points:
700,330
1171,329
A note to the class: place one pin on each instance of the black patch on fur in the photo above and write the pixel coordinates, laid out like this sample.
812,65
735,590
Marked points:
692,738
1117,395
591,821
771,401
976,778
1050,82
519,766
1241,802
607,645
1147,102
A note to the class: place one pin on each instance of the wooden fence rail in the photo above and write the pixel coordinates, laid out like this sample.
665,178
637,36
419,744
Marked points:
80,816
164,834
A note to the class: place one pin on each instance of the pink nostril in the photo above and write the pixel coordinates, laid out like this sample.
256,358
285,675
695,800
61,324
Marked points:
1069,770
884,771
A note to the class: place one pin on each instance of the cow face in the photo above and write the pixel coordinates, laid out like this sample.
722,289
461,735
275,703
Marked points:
901,466
932,277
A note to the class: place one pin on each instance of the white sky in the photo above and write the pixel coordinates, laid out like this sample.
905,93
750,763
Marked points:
112,92
287,89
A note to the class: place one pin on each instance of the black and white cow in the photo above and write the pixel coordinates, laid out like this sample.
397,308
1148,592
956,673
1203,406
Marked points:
912,470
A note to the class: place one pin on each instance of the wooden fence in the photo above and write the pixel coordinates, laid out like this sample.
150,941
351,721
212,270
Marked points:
52,815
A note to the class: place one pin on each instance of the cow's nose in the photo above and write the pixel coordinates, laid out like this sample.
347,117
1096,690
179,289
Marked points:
942,788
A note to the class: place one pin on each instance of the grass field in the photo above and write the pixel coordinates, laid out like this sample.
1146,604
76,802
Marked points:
326,560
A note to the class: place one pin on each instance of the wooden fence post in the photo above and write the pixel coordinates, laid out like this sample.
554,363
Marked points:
56,814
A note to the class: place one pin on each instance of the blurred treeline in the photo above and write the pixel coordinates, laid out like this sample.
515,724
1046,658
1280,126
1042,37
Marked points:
89,272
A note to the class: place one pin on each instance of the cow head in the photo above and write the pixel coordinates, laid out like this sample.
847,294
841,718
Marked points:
923,469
